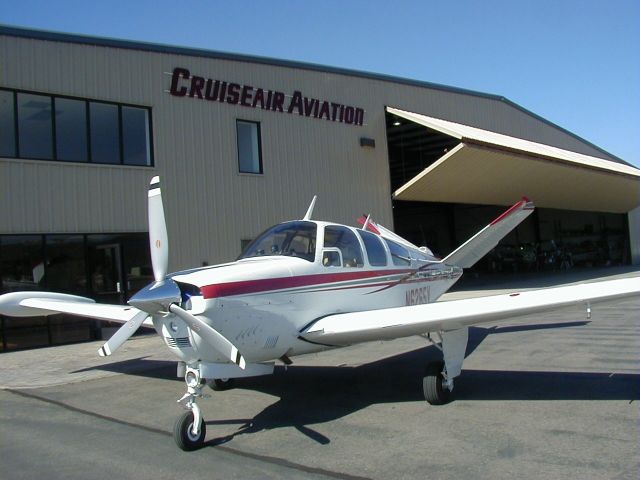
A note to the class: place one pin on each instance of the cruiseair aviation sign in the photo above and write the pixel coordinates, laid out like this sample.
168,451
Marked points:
183,84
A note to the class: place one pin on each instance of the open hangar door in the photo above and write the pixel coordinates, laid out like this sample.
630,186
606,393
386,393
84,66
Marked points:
450,180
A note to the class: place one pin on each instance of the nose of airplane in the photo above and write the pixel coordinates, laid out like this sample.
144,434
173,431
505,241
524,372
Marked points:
157,297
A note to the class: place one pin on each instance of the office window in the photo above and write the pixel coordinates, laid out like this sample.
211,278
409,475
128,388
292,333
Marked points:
35,129
105,133
21,263
81,130
71,130
7,125
135,136
249,156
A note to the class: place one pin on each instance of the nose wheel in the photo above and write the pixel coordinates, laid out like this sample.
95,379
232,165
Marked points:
183,432
190,430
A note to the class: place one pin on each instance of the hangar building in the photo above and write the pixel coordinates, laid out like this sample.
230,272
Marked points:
244,142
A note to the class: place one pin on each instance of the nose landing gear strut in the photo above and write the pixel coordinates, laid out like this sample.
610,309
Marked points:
190,429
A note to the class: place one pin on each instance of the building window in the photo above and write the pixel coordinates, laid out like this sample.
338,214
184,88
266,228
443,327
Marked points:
7,125
106,267
35,132
80,131
135,136
249,155
105,133
71,130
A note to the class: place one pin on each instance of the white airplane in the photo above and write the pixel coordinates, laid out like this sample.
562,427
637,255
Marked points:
304,286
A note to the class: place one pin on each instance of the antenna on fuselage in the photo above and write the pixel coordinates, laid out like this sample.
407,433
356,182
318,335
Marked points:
366,222
307,215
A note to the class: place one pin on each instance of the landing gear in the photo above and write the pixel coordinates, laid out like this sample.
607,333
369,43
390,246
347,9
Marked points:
437,384
183,432
190,430
434,385
220,384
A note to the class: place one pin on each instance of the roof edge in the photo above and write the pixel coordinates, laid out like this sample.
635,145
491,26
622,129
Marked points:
84,39
40,34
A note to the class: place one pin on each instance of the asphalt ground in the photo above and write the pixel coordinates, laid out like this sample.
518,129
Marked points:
554,396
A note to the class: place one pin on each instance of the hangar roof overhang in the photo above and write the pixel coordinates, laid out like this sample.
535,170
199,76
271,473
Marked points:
495,169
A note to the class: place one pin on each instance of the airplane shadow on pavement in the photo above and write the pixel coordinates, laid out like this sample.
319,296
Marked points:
316,395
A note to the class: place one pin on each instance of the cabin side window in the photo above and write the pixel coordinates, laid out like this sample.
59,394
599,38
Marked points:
375,250
344,241
399,254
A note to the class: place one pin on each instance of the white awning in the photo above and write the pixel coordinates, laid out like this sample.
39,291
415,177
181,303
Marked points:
495,169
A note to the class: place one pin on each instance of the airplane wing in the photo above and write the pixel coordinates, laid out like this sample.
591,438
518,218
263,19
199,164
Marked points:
31,304
348,328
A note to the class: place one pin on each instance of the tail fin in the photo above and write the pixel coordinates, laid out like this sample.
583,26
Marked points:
467,254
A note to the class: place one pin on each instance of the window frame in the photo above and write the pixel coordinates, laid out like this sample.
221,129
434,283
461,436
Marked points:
259,146
87,102
357,242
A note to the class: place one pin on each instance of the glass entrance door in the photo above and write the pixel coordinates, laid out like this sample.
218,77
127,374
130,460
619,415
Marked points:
106,273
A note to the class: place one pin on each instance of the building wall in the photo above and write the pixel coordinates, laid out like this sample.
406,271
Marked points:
209,206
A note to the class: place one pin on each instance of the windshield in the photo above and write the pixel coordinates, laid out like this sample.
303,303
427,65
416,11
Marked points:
293,239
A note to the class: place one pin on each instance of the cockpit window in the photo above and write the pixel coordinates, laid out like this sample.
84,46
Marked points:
343,239
399,254
292,239
375,251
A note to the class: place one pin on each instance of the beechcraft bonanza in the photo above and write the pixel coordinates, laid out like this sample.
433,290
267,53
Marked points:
304,286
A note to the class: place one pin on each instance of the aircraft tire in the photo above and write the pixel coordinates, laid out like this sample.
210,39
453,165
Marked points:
221,384
182,433
434,392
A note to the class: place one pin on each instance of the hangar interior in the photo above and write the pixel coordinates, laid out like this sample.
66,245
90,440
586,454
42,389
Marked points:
551,239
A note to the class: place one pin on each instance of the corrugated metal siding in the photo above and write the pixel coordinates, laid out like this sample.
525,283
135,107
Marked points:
209,205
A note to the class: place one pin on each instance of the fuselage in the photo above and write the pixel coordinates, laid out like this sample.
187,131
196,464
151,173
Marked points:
292,275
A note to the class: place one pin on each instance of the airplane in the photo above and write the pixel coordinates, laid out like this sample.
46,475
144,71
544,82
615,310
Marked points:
305,286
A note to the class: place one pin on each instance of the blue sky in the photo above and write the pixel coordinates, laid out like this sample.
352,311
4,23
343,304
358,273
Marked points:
574,62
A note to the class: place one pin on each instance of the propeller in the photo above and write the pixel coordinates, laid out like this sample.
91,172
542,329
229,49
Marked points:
123,333
164,294
158,240
210,335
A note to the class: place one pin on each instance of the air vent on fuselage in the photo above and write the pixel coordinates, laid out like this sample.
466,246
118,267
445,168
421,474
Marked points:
180,342
271,342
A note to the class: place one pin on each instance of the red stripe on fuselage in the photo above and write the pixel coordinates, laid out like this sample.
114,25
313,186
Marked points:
270,284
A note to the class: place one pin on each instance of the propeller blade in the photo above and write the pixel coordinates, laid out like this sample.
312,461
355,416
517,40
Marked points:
210,335
158,240
123,333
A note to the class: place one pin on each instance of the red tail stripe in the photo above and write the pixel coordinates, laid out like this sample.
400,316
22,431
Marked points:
511,210
371,226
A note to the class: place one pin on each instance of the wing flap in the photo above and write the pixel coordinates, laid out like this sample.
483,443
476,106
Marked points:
386,324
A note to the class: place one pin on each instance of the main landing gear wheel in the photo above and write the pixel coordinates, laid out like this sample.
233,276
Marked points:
220,384
433,385
183,434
